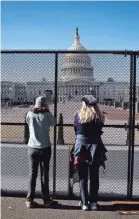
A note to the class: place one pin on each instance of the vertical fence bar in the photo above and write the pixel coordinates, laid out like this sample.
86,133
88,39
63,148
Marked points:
55,128
133,125
130,128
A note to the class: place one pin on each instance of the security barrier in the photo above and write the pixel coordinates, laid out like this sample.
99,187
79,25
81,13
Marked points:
64,77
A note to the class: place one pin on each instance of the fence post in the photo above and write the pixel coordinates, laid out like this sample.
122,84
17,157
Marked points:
60,139
127,139
137,107
70,179
130,130
26,132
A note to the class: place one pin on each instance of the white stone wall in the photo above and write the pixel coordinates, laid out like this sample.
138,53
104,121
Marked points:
7,90
16,92
35,89
76,66
19,92
118,91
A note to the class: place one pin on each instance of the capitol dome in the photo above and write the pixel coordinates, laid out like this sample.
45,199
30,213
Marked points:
77,46
76,66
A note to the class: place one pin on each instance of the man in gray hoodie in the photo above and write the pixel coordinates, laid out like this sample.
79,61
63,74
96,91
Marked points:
39,149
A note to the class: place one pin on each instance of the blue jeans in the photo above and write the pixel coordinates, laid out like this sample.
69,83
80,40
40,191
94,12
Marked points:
39,157
84,167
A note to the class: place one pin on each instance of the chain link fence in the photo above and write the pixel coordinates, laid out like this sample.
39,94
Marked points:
136,148
64,77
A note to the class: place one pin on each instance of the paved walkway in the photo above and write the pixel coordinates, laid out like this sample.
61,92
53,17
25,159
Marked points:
14,208
117,113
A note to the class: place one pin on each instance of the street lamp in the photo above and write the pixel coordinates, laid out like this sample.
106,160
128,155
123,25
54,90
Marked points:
90,90
104,94
76,92
10,91
34,94
25,100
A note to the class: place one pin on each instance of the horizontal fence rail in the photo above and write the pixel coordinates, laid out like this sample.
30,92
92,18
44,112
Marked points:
120,52
71,125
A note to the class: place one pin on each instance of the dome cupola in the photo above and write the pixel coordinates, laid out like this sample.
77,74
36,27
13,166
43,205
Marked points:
76,46
76,65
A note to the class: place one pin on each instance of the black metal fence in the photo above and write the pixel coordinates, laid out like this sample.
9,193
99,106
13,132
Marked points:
112,76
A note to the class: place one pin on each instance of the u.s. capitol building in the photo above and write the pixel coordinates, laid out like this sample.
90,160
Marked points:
77,78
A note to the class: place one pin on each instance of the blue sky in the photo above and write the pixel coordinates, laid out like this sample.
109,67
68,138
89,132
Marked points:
51,25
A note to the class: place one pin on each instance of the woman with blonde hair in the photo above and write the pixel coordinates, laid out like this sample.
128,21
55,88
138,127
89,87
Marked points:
89,151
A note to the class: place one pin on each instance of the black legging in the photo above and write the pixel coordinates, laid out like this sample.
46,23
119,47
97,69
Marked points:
83,182
39,157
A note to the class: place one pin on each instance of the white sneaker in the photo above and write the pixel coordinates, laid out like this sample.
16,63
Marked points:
93,206
84,207
31,204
